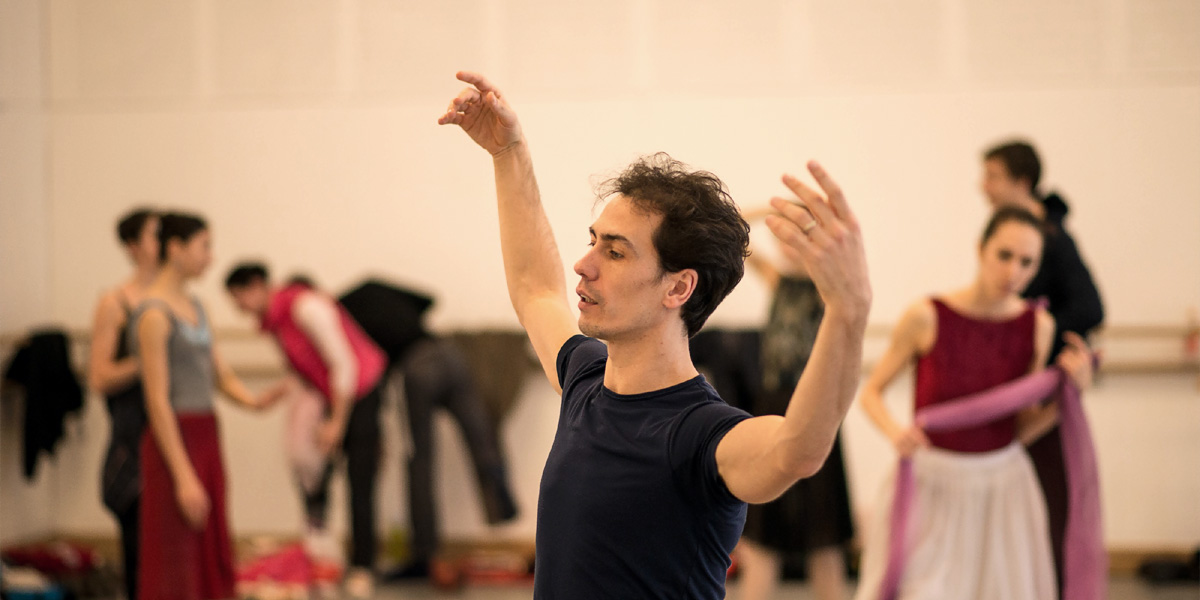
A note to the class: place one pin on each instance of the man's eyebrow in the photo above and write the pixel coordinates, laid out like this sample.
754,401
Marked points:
611,237
615,238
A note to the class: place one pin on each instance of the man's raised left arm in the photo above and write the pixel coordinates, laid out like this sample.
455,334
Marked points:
762,457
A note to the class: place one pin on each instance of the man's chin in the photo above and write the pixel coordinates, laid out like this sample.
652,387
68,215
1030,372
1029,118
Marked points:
590,329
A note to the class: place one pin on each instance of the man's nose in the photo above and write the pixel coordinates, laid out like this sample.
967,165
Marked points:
584,268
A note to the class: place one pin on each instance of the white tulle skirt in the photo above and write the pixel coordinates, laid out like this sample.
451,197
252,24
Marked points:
977,530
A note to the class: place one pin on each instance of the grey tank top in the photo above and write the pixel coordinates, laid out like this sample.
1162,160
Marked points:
189,358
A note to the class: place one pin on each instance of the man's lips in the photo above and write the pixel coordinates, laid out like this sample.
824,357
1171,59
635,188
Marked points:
585,297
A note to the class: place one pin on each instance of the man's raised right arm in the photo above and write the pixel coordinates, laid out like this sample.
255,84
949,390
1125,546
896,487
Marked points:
532,266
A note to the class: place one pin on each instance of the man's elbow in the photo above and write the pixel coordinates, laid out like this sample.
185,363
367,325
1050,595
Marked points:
803,465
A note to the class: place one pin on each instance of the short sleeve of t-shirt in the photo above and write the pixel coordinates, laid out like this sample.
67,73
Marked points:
578,357
693,448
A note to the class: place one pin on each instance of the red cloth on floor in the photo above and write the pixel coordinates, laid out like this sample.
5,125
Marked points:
289,565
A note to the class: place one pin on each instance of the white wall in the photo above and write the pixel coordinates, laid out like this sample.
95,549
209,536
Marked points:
26,510
305,132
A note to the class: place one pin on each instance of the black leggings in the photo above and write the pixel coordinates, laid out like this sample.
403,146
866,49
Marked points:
362,450
128,520
436,375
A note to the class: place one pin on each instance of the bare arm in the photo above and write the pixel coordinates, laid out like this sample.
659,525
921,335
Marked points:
760,458
914,335
318,316
105,374
532,266
229,384
152,333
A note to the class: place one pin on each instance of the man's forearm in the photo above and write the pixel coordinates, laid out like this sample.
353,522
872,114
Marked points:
824,393
532,265
342,388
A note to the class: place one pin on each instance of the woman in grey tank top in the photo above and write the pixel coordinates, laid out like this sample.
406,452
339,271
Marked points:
185,544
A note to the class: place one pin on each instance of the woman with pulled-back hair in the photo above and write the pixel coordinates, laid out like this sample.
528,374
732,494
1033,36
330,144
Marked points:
185,545
977,528
116,374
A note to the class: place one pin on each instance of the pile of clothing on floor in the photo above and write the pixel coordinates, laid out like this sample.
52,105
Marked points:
295,571
55,571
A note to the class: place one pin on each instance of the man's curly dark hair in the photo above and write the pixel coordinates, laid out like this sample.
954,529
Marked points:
701,227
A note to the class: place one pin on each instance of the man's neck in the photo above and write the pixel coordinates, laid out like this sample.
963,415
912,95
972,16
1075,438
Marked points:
653,361
1032,204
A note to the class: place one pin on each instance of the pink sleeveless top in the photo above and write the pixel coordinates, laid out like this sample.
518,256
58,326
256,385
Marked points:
971,355
303,354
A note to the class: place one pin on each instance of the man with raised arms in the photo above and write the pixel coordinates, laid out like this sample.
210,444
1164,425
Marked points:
644,492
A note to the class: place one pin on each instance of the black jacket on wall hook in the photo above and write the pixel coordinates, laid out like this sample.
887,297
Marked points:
42,365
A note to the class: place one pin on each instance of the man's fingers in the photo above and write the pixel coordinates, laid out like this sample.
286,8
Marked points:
791,253
833,191
789,233
810,198
462,105
465,100
506,114
479,81
805,220
796,213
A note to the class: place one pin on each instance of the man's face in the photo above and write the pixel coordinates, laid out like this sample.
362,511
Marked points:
999,186
251,298
622,288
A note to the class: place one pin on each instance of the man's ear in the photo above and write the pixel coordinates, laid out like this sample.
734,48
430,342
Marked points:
683,284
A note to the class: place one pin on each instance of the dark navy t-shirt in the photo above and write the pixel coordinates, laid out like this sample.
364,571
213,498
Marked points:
631,504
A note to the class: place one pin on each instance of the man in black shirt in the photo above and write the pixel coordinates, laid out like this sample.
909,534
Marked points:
644,491
1011,172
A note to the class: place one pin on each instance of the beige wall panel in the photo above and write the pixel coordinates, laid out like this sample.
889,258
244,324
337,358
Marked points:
1164,35
877,43
410,49
1024,41
571,50
20,51
274,48
134,49
719,48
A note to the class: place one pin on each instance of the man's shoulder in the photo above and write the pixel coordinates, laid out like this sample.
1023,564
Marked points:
701,409
579,357
711,408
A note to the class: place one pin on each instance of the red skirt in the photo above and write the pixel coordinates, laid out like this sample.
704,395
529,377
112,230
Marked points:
177,562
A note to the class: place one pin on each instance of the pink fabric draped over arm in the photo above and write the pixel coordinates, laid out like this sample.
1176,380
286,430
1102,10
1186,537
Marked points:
1086,564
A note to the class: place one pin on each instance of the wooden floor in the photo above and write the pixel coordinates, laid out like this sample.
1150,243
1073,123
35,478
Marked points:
1120,589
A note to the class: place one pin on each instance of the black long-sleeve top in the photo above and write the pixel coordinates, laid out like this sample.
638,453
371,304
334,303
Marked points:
1064,280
